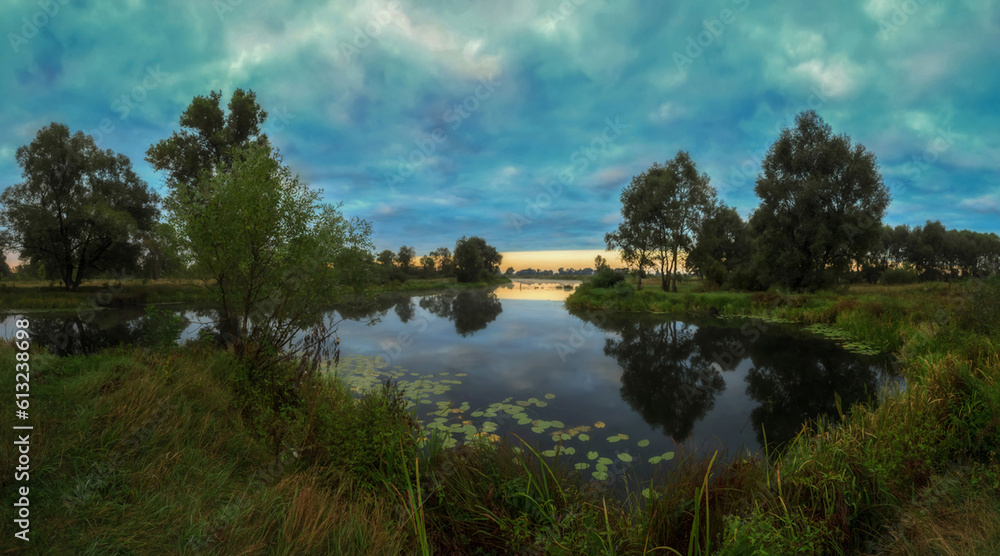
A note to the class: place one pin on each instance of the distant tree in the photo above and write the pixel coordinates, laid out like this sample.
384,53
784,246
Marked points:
79,210
427,264
161,253
510,271
445,263
386,258
723,245
207,137
405,257
5,271
599,263
822,202
475,259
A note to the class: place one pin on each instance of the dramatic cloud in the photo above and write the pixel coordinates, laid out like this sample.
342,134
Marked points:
521,121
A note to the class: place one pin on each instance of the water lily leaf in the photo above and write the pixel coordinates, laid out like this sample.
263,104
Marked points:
584,437
614,438
549,396
461,374
599,425
524,421
541,404
642,443
591,455
523,403
667,456
601,467
537,430
655,459
569,450
549,453
565,436
605,461
558,424
477,413
600,475
625,457
581,466
623,436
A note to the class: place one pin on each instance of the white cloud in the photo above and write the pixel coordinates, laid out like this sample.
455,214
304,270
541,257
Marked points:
667,111
836,77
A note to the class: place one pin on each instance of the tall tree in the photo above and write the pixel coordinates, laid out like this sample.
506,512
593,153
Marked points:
723,245
665,205
208,136
405,257
634,245
386,258
79,209
822,202
445,263
475,259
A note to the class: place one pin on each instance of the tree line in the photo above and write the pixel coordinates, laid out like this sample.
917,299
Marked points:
473,260
82,212
819,223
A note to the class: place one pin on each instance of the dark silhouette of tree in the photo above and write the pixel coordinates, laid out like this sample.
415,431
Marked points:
470,310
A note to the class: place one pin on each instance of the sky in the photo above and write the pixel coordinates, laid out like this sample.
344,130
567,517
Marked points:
521,121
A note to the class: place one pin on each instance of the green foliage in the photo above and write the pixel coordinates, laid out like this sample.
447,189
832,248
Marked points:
662,209
277,256
982,311
208,138
606,278
822,202
723,246
475,259
79,209
162,328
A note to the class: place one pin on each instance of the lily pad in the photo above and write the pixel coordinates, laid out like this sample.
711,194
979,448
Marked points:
600,475
614,438
584,437
581,466
599,425
592,455
625,457
642,443
550,396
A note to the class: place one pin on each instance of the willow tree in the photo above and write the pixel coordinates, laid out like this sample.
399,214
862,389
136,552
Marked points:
822,203
79,210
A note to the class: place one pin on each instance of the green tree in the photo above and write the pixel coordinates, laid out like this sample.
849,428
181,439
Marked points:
386,258
208,136
475,259
79,210
276,254
822,202
427,264
634,244
723,246
445,263
405,257
663,208
161,256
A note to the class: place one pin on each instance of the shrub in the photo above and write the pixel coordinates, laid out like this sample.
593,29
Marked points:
982,312
606,278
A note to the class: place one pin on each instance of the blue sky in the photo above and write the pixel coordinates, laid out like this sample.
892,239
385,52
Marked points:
521,121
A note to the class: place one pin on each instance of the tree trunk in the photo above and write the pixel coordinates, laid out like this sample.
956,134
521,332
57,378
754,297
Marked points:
673,272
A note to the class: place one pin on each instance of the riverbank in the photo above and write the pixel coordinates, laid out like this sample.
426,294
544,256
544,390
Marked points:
919,473
40,296
140,449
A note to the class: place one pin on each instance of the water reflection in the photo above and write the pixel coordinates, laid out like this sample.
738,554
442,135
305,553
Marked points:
71,333
470,310
672,372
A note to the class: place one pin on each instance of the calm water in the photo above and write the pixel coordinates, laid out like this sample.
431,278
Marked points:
626,388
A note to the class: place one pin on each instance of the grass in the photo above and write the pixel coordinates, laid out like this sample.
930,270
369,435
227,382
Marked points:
151,450
22,296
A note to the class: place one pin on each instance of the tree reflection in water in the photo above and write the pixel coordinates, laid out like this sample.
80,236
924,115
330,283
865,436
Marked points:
470,310
672,371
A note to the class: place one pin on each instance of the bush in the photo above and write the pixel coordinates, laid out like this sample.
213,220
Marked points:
606,278
982,312
895,276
